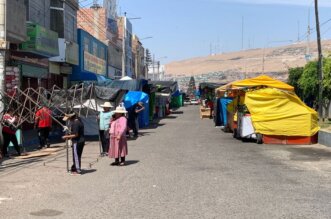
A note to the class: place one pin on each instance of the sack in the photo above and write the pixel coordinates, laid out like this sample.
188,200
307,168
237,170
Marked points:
106,134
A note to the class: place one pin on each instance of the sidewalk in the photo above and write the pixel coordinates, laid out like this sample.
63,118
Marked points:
53,157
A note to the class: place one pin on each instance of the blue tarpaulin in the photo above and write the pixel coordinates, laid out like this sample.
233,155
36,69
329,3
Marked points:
224,102
132,98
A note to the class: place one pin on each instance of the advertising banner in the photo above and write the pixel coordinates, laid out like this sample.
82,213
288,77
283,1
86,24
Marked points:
41,41
94,64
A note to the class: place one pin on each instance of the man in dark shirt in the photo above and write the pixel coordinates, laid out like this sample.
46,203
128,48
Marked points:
76,134
133,117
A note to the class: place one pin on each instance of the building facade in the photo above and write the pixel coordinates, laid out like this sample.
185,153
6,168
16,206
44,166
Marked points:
92,58
125,35
138,53
40,31
101,23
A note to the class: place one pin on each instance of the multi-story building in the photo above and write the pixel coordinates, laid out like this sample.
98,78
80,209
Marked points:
63,20
101,23
92,58
40,31
12,33
125,35
138,54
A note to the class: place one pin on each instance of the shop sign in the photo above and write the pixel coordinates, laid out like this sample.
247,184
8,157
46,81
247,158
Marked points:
94,64
41,41
34,72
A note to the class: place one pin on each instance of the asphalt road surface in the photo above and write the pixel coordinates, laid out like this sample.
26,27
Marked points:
182,168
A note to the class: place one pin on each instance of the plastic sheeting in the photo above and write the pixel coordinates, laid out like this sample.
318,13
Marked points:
277,112
165,86
262,80
176,101
223,103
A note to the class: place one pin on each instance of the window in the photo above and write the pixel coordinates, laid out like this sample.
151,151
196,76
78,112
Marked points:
70,27
95,49
102,53
56,18
86,44
57,3
26,3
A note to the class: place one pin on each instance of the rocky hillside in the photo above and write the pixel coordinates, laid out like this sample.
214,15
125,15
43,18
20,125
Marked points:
239,65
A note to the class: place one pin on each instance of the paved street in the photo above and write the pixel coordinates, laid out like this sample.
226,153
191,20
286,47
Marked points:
182,168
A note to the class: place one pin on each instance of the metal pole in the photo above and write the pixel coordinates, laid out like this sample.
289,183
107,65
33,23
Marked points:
153,62
67,141
123,45
158,70
98,119
320,64
3,55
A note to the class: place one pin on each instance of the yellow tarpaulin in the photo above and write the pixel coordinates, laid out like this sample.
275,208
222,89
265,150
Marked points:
262,80
277,112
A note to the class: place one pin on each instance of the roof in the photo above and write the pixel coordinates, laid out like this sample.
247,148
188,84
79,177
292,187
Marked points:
130,85
263,80
165,86
210,85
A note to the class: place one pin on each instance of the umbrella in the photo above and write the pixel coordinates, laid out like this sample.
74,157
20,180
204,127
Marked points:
133,97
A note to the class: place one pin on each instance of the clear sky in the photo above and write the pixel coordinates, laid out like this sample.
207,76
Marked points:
191,28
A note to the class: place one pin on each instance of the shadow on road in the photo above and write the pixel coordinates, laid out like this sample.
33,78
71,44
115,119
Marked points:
309,154
18,163
131,162
88,171
177,112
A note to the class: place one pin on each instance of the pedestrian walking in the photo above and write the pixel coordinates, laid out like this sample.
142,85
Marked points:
76,135
118,142
43,121
104,123
133,122
8,132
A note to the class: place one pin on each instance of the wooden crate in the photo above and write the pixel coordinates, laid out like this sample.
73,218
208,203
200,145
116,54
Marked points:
204,112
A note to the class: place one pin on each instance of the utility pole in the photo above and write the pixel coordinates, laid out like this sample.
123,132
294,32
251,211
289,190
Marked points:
158,70
242,33
153,64
123,45
320,64
3,51
298,31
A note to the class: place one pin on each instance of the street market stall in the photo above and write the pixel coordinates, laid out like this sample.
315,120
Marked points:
269,111
209,102
164,92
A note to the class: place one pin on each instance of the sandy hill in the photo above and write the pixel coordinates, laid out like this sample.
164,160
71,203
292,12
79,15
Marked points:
238,65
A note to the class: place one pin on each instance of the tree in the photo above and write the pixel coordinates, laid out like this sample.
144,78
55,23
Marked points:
191,88
326,85
308,82
293,79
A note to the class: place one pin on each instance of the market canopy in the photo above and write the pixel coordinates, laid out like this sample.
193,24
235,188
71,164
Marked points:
129,85
210,85
277,112
262,80
165,86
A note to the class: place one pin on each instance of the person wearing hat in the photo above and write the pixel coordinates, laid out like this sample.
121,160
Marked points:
118,142
104,122
43,120
76,134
